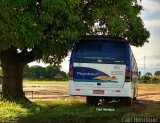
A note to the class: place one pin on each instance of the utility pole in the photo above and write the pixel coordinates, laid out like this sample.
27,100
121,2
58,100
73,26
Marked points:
144,65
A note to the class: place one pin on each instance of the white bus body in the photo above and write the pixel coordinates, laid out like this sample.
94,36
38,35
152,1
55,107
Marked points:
103,67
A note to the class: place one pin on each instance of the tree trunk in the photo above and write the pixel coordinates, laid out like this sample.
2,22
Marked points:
12,66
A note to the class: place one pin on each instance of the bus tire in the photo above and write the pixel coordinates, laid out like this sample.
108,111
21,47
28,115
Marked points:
126,101
134,98
91,100
135,94
129,101
123,101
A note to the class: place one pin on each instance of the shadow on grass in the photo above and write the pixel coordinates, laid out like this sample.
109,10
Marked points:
60,111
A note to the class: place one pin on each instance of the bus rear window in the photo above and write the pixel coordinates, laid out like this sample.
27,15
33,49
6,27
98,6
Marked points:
110,52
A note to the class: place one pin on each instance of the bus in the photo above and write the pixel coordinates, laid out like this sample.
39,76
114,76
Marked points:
103,67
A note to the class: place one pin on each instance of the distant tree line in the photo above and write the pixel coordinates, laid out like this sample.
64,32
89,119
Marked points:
46,73
149,78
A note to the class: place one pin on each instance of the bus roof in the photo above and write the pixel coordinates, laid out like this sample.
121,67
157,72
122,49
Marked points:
102,37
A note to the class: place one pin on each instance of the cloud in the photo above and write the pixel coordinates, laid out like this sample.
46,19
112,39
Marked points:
157,1
151,19
151,9
155,57
152,23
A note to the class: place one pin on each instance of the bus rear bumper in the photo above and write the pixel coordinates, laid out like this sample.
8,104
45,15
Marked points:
101,92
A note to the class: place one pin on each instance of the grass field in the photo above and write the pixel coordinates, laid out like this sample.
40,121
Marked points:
76,111
73,111
144,84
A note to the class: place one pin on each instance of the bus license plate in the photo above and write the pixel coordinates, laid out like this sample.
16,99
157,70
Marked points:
98,91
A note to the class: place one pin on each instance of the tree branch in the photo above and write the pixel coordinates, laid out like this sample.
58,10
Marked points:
29,56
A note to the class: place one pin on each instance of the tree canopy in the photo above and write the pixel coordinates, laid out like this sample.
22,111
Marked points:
46,29
148,74
157,73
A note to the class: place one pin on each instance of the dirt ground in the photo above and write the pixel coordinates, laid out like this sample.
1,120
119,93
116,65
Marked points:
147,94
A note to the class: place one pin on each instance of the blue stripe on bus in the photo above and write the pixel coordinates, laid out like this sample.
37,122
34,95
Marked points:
89,80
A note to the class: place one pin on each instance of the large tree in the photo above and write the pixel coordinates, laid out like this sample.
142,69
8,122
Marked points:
46,29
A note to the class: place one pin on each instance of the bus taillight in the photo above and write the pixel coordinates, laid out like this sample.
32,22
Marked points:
127,76
71,72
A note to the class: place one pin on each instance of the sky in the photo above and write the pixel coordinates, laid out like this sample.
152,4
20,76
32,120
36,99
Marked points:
151,18
151,51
